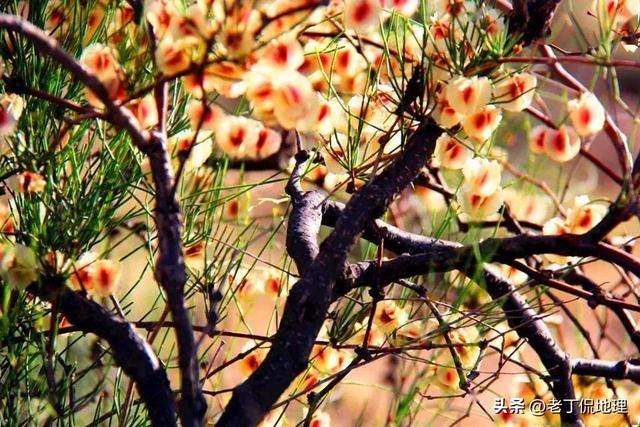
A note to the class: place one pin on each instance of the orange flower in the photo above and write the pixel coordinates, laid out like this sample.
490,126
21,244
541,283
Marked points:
102,61
173,56
284,53
236,134
295,103
105,275
250,362
444,114
515,93
468,95
584,215
388,316
96,277
203,116
482,175
476,206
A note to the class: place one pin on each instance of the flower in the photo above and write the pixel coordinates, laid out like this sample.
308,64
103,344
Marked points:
482,175
464,341
476,206
537,138
320,419
30,182
267,143
236,134
377,337
98,277
468,95
446,378
450,9
325,359
251,361
145,110
284,53
533,208
584,215
102,61
194,255
450,153
203,116
8,123
7,224
404,7
516,92
13,104
295,103
444,114
587,114
173,56
247,286
481,124
18,265
562,144
361,16
201,149
275,284
389,317
105,275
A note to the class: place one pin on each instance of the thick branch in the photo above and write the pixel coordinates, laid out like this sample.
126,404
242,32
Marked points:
304,220
132,353
532,18
622,370
170,273
518,313
170,268
48,46
310,298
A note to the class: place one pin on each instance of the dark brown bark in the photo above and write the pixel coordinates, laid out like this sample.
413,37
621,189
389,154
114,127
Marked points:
130,351
310,298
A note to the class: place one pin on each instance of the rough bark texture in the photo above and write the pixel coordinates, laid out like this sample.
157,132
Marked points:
532,18
171,275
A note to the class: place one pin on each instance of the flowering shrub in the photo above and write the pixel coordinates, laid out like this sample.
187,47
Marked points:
170,165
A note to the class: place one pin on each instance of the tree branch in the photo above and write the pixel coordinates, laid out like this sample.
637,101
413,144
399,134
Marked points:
170,273
48,46
518,313
132,353
310,298
170,268
622,370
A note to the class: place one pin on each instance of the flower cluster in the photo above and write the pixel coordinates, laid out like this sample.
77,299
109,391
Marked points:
99,277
